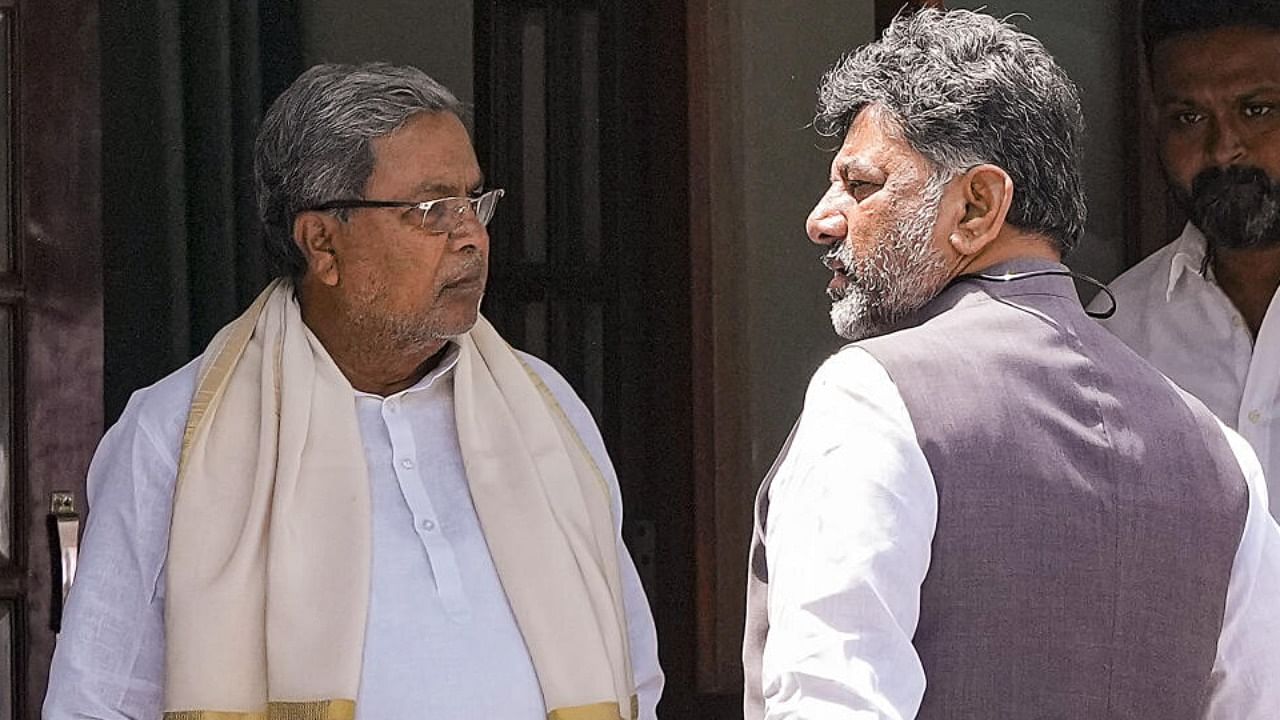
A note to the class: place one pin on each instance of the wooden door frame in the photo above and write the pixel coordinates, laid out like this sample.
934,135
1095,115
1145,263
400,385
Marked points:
1152,219
58,234
720,407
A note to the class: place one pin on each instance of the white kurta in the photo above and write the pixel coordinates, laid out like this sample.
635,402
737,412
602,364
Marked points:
852,514
1182,323
440,641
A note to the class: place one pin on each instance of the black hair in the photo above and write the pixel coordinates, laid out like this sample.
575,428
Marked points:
1164,19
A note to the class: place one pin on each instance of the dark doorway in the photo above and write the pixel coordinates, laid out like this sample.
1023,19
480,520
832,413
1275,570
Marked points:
581,113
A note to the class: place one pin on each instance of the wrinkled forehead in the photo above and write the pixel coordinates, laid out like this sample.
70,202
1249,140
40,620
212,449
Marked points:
430,155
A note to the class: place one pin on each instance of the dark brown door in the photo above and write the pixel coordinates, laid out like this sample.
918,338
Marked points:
582,114
50,318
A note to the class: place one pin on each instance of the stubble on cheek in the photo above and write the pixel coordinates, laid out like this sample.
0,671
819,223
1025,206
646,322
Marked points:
899,272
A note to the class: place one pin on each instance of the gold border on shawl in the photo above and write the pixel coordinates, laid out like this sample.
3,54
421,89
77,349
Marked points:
213,376
595,711
312,710
550,398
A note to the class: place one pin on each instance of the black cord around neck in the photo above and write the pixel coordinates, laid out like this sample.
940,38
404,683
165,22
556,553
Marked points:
1013,277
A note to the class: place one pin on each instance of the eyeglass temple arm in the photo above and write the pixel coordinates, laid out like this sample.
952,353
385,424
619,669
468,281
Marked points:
351,204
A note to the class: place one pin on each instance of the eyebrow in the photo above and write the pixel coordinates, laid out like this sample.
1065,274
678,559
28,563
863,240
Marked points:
857,166
437,188
1265,89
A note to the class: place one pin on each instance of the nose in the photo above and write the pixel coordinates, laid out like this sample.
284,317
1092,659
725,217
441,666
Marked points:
826,224
1226,142
469,231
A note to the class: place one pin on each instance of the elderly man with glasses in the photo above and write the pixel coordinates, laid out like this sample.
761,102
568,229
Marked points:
359,501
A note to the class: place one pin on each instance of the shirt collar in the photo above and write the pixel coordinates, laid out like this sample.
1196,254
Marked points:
1189,255
452,351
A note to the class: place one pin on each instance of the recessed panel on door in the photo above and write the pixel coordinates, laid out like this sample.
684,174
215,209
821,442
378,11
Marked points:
6,435
6,153
7,701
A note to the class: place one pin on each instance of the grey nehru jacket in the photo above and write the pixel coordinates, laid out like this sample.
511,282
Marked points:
1088,514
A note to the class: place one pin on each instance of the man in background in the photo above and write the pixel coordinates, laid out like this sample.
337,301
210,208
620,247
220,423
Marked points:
360,501
1205,309
990,507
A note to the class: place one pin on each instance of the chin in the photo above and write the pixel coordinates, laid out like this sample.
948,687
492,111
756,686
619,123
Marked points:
855,330
854,318
460,322
849,317
459,330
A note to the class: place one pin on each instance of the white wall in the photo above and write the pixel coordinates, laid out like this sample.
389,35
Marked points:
433,36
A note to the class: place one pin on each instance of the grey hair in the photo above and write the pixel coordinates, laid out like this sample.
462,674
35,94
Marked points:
314,143
966,89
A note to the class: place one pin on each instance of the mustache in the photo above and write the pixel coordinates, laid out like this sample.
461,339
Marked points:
472,264
1215,182
837,257
828,259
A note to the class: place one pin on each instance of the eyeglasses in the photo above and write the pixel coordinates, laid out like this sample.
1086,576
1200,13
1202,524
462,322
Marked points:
439,217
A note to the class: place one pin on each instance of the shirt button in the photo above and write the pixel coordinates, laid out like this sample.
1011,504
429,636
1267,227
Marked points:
407,464
393,405
427,525
1255,417
1237,321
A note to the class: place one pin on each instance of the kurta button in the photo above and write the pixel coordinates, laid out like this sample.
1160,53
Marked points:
427,525
1255,417
407,464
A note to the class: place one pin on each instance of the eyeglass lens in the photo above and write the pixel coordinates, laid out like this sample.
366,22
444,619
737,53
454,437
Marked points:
445,216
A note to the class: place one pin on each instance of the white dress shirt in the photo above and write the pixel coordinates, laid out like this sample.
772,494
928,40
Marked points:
440,638
1170,311
852,514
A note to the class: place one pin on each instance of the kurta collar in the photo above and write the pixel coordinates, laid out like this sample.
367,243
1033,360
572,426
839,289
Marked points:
1189,254
447,364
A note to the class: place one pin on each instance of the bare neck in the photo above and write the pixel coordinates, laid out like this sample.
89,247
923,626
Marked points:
1250,279
370,364
1013,245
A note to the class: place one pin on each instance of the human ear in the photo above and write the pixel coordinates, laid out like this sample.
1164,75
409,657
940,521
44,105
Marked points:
314,233
987,191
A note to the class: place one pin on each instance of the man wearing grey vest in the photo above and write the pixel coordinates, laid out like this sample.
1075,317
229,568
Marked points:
990,508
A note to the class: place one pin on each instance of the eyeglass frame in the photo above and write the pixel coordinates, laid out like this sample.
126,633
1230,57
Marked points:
425,206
